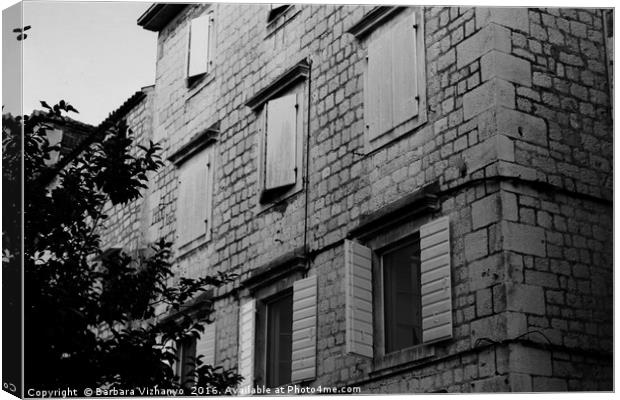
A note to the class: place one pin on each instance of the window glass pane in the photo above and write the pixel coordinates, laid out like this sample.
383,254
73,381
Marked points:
402,313
279,340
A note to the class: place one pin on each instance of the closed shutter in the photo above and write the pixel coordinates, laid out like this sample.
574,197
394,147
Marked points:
404,74
198,46
246,344
206,345
194,198
435,279
380,85
358,292
280,168
304,330
391,78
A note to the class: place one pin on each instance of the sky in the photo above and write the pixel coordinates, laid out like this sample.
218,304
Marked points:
90,54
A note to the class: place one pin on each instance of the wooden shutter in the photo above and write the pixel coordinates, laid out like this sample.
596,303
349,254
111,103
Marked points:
194,197
404,71
206,345
198,46
247,325
435,279
281,149
380,85
304,329
391,78
358,292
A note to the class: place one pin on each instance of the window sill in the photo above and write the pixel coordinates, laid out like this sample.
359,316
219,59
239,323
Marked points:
190,247
393,362
196,83
399,132
281,20
271,199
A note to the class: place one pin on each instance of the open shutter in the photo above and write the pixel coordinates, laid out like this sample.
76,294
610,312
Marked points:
404,74
358,292
435,280
281,138
304,330
206,345
247,323
198,46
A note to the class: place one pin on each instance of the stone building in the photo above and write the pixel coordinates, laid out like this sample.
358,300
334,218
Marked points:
415,199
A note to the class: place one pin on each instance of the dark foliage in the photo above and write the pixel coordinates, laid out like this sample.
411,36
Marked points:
91,318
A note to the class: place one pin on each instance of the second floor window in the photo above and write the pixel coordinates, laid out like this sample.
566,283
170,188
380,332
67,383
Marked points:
280,142
394,80
195,198
201,47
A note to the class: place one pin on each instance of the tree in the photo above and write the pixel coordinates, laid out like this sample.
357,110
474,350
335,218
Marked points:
90,317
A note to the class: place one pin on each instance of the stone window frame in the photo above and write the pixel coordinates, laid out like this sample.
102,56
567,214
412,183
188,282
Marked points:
282,18
381,231
293,80
375,23
266,284
202,141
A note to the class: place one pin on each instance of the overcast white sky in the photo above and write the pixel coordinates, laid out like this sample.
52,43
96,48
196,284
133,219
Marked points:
91,54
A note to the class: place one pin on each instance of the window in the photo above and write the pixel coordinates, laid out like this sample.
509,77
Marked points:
276,10
186,362
280,142
280,110
279,317
195,199
277,334
398,291
394,78
402,320
201,45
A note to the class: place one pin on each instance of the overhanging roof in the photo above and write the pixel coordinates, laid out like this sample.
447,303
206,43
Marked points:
159,14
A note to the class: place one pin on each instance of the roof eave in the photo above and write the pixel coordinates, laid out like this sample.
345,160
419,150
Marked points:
158,15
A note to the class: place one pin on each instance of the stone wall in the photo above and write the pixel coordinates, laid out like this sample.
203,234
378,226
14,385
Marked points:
518,139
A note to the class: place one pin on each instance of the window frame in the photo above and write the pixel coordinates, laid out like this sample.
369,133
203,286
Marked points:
269,197
380,243
207,150
264,310
263,296
374,30
408,241
182,363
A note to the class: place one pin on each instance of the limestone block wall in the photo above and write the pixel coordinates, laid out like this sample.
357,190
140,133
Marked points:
517,140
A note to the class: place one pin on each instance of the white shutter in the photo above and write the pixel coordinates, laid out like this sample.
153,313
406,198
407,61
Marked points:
304,329
281,139
380,85
435,279
404,74
198,52
195,196
358,292
206,345
247,326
